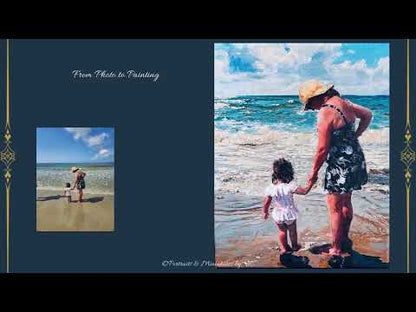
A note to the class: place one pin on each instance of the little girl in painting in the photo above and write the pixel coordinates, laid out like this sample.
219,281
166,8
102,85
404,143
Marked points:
285,212
67,192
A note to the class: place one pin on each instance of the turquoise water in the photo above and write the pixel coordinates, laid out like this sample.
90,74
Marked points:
53,176
285,112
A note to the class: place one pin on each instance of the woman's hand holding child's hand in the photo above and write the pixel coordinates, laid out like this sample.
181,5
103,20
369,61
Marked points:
304,190
309,187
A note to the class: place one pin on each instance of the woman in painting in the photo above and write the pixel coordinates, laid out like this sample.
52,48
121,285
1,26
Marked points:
337,145
79,182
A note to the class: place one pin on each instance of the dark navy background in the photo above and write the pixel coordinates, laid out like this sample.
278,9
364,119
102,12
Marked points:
164,152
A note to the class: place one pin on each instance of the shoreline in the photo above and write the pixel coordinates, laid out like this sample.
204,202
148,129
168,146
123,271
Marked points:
244,239
262,251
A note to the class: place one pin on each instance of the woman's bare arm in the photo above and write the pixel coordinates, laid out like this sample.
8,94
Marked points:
365,116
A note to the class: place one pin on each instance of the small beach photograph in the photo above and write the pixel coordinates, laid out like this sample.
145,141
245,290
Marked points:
75,179
301,155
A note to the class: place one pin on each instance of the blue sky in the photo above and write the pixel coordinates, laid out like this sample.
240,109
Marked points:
279,68
72,145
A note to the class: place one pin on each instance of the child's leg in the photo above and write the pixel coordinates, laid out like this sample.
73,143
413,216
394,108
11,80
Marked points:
69,199
293,234
283,237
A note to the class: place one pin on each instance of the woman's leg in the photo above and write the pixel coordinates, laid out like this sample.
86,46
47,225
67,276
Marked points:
335,203
80,193
347,215
293,234
283,237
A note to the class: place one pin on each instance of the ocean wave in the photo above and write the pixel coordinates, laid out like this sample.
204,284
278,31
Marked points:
243,158
231,100
259,135
262,134
283,110
220,105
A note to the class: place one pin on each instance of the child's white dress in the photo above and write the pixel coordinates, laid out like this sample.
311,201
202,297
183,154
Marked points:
67,191
284,210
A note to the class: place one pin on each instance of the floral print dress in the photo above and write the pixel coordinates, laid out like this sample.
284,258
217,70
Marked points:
346,170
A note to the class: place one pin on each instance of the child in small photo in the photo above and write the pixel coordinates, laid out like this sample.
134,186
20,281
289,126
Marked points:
67,192
284,213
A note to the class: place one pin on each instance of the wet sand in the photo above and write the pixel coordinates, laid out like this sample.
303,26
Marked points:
54,213
257,245
263,252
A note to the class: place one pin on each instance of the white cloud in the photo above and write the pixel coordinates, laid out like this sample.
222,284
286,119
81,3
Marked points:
85,135
96,142
103,153
282,67
273,56
97,139
359,78
79,132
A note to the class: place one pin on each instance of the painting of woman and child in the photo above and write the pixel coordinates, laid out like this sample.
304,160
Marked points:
301,155
75,179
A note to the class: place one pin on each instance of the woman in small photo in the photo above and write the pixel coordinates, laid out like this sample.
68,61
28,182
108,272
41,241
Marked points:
337,145
79,182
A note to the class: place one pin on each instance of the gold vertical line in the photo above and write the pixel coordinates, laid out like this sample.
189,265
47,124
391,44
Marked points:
8,228
408,227
408,85
8,186
8,85
408,186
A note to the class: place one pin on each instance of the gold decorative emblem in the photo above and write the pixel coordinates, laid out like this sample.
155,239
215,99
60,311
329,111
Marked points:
7,155
408,155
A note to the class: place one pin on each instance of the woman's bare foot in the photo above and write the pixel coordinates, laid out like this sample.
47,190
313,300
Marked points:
285,249
296,247
335,252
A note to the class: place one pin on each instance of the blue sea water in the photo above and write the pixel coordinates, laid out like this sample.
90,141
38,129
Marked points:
53,176
285,112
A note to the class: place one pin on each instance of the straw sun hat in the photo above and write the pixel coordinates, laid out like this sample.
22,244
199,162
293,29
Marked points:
312,88
73,169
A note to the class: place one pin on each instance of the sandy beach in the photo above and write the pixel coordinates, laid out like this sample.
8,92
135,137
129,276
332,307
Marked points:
54,213
255,244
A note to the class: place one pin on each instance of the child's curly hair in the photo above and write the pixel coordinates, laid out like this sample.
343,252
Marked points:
282,170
